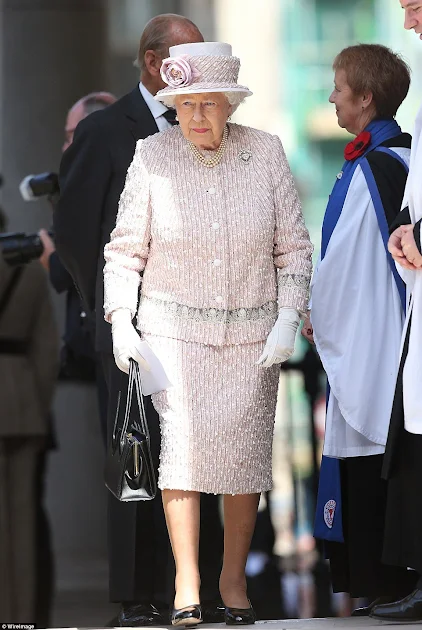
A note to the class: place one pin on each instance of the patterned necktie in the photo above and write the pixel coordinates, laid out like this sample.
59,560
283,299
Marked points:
170,116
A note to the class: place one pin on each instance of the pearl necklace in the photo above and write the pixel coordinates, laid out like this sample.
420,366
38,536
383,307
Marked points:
215,159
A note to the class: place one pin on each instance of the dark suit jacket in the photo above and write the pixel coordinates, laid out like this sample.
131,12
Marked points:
92,176
77,333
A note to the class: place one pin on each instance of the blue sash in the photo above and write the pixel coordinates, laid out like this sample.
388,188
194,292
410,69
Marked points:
328,517
328,522
380,130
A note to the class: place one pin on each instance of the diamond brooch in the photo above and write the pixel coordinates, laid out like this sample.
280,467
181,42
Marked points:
245,156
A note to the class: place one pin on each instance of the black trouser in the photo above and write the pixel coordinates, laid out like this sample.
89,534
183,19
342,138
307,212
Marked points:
356,564
403,469
403,530
141,566
102,396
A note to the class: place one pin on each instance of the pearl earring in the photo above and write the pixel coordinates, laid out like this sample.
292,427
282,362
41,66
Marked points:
176,118
229,118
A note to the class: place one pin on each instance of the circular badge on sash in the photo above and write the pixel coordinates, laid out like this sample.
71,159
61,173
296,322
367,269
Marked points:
329,511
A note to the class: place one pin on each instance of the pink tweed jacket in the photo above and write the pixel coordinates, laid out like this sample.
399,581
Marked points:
221,249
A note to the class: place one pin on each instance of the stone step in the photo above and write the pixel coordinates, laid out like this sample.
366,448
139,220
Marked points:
333,623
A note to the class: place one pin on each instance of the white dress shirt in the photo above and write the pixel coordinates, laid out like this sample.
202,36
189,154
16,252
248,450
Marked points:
156,108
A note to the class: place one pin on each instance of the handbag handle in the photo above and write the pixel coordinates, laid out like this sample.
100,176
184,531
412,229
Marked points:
142,426
127,410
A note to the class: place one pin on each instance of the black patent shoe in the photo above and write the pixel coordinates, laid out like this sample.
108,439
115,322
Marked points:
213,611
365,611
239,616
135,615
187,616
407,609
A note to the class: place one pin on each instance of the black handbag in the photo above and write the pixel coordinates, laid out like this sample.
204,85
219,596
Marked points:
129,471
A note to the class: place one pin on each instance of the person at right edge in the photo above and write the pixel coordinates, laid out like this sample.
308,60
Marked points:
92,176
357,315
403,457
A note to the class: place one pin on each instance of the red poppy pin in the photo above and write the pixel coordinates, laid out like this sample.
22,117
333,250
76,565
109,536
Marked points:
357,147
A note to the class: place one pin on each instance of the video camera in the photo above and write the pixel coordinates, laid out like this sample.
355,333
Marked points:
19,248
44,184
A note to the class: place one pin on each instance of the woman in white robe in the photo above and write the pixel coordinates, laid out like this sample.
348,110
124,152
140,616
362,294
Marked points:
356,319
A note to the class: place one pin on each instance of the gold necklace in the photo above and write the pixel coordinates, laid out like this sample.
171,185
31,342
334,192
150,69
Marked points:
215,159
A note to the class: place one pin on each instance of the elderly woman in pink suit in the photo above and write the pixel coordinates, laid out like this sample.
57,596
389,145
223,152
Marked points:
211,217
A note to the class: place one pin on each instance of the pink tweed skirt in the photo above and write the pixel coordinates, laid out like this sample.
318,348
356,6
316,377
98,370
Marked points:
217,418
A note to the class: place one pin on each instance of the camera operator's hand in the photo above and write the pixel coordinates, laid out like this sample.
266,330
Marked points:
49,248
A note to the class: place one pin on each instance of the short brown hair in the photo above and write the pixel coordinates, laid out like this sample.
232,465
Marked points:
158,33
376,69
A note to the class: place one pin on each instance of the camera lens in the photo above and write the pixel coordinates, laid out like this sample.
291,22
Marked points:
20,248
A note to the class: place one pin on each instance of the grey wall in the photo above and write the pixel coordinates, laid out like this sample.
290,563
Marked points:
52,53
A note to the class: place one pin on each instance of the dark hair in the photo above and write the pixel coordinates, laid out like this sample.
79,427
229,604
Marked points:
376,69
157,35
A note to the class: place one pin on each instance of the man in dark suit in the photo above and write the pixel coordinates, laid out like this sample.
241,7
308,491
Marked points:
92,176
78,360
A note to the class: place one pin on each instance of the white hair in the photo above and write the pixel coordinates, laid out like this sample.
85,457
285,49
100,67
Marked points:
234,98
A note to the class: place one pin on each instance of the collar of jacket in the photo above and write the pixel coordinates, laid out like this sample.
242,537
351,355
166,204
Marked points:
141,122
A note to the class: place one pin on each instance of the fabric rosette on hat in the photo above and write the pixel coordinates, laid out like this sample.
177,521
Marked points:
178,71
201,67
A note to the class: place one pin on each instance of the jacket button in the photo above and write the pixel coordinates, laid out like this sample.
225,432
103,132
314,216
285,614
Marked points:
215,226
217,262
219,299
211,191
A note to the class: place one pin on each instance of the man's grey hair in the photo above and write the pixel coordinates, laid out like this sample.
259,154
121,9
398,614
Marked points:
95,102
235,99
157,35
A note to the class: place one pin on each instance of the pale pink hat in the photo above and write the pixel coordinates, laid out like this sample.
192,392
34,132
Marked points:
200,67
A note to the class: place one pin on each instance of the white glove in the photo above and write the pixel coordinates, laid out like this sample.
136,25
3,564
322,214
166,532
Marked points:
280,343
127,343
